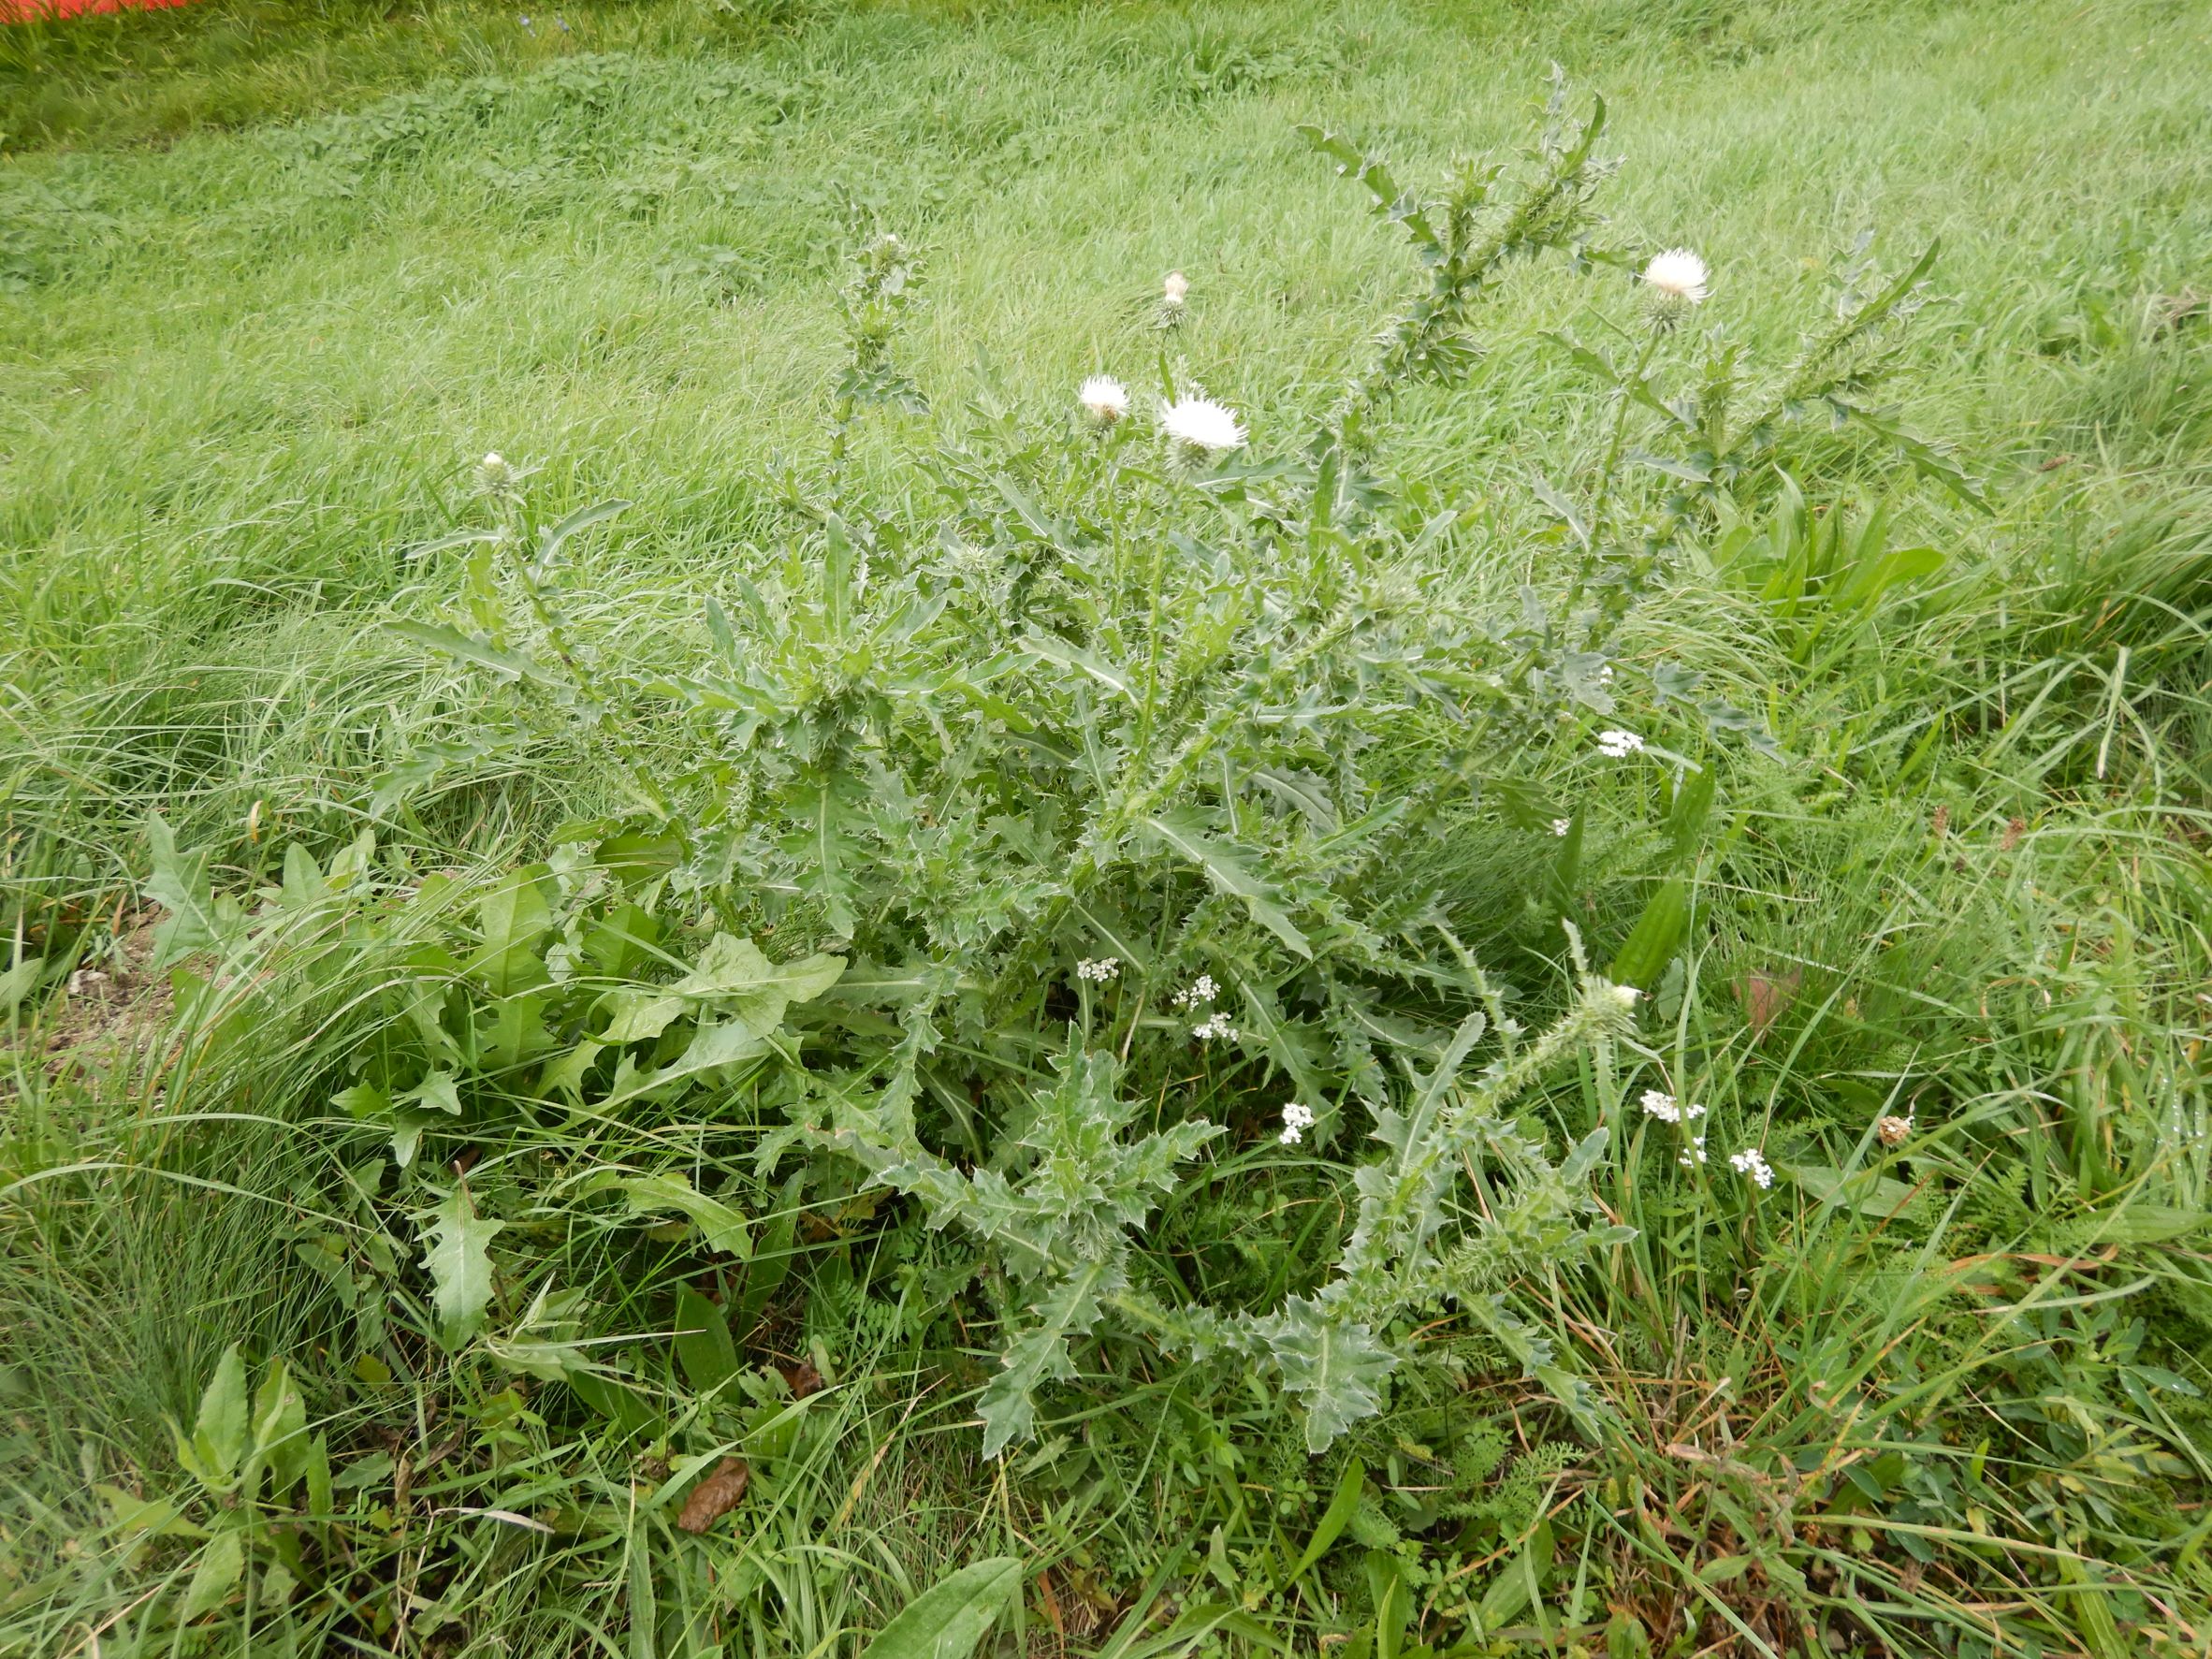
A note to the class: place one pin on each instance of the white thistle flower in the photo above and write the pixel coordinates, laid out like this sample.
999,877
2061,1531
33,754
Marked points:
1678,274
1203,424
1752,1163
1691,1155
1296,1119
1104,399
1201,989
1618,745
1216,1025
1624,995
1174,290
1099,973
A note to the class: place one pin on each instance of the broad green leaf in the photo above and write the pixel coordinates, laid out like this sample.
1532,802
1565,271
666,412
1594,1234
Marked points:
1052,648
1039,1354
460,1262
1334,1519
722,1228
219,1436
949,1619
18,982
1185,831
221,1565
179,884
1657,935
514,916
1335,1366
480,652
704,1347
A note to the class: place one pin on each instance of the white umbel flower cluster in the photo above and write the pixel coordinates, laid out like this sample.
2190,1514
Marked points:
1693,1156
1618,746
1103,399
1201,989
1099,973
1214,1025
1663,1106
1201,423
1751,1164
1296,1119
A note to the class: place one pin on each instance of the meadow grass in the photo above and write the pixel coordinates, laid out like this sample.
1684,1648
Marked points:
272,276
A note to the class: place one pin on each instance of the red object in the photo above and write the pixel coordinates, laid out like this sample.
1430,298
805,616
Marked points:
22,11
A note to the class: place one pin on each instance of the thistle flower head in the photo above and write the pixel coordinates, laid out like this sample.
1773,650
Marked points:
1678,274
1201,424
1175,289
1674,285
1104,399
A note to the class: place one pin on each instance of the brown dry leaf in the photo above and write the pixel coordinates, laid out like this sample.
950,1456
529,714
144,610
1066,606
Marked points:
715,1496
804,1379
1766,995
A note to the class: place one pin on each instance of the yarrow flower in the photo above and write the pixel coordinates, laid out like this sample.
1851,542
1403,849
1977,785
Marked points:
1214,1025
1891,1129
1618,745
1561,825
1099,973
1296,1119
1678,274
1662,1107
1691,1155
1201,989
1201,424
1104,399
1752,1163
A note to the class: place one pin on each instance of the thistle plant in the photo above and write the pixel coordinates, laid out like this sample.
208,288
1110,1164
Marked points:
1151,695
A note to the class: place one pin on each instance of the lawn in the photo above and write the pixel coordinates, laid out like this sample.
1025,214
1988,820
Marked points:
1511,958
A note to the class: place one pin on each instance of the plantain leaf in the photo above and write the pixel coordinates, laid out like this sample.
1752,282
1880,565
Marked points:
949,1619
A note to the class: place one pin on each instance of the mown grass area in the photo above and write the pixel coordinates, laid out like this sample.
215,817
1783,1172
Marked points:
386,1099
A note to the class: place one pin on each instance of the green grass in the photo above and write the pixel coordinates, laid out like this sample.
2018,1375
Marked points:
272,276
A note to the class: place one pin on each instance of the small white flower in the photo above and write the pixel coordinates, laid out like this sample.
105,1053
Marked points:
1099,973
1201,989
1203,424
1661,1106
1561,825
1752,1163
494,463
1216,1025
1624,995
1691,1155
1296,1119
1678,274
1104,399
1618,745
1176,289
